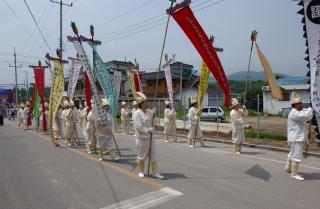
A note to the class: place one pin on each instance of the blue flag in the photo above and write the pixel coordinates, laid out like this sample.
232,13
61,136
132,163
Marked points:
104,77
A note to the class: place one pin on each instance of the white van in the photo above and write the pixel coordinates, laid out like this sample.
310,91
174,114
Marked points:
212,113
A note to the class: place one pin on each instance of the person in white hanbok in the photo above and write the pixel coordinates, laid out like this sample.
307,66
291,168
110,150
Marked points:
26,112
195,132
237,116
125,117
20,115
169,123
143,122
297,134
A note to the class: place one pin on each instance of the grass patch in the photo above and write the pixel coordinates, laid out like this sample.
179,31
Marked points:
275,137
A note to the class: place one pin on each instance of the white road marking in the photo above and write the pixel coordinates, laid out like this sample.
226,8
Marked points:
147,200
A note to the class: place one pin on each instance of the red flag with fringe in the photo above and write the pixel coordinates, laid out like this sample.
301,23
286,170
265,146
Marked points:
189,24
39,80
88,91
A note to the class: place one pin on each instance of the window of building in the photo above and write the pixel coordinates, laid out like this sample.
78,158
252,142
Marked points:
286,96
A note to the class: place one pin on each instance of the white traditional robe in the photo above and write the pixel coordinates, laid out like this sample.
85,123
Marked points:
297,132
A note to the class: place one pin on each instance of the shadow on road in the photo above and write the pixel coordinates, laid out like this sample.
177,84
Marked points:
258,172
253,153
168,176
311,176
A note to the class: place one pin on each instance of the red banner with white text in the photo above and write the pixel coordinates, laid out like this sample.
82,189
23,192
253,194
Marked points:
39,79
189,24
88,91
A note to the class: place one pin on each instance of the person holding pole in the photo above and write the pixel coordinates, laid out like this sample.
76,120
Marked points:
133,110
237,115
26,112
143,122
195,132
169,123
125,117
91,131
104,135
83,122
297,134
70,126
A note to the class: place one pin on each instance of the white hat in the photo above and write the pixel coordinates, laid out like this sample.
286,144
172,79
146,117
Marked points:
21,105
134,103
234,102
167,102
140,97
193,100
71,103
66,103
46,104
27,103
104,102
123,103
295,98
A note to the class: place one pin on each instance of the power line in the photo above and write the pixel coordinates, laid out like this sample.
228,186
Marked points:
45,19
157,25
35,21
19,20
126,13
144,23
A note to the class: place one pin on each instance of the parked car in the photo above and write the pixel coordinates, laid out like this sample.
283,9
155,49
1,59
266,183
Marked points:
212,113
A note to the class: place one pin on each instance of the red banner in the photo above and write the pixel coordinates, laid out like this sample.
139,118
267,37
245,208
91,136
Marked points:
32,99
189,24
88,91
39,78
137,81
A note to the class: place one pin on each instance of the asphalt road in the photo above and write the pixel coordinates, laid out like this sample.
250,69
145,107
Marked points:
36,175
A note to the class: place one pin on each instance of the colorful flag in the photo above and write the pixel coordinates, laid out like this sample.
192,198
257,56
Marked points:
39,80
56,93
100,116
189,24
36,107
275,90
204,80
75,66
104,77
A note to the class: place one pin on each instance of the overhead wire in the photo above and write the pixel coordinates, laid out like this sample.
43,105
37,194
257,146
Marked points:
143,28
35,21
19,20
34,29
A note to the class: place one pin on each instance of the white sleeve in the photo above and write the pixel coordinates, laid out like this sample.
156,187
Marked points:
137,122
303,116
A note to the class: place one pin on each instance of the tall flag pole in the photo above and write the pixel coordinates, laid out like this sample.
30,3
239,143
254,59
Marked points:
185,18
253,39
100,116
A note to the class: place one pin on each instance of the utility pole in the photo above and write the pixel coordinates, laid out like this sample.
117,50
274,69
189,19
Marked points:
15,72
61,5
27,85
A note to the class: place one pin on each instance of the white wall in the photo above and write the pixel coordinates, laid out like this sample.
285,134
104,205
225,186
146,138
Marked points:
274,107
190,92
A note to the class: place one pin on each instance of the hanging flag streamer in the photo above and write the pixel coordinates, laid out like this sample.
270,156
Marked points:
99,114
39,79
104,77
88,91
137,81
189,24
36,111
275,90
167,73
56,93
116,78
74,71
132,84
204,81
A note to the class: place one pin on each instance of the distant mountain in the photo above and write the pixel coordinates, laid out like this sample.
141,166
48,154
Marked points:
253,76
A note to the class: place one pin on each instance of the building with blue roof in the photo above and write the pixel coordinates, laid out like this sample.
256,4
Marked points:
288,85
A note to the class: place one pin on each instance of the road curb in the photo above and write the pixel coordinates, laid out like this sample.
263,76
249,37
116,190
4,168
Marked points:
259,146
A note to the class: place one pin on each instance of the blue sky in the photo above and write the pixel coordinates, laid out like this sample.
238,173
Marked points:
230,21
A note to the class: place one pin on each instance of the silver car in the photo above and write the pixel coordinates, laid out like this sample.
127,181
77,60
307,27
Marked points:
212,113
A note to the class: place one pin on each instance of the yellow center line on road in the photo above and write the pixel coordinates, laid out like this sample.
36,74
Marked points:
115,168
